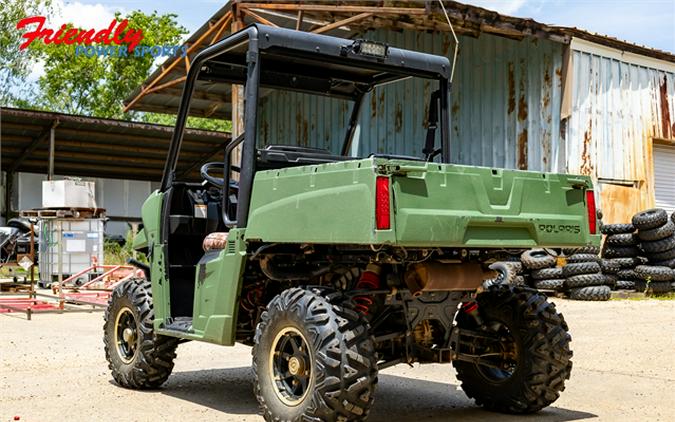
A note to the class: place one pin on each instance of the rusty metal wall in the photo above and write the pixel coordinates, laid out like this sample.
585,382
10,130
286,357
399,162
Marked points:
505,106
618,108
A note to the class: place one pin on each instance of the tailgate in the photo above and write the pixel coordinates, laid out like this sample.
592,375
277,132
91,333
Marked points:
452,205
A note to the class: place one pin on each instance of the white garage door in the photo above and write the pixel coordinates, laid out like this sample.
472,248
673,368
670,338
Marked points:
664,176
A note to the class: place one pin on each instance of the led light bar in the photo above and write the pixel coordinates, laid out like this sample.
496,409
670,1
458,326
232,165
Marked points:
370,48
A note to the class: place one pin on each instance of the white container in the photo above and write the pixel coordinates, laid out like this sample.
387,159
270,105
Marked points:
68,194
69,246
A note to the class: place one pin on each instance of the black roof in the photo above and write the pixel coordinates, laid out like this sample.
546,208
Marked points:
320,64
95,147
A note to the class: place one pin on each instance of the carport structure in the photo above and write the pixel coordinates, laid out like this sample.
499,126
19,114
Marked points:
71,145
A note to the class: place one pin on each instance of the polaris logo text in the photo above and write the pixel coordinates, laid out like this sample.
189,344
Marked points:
551,228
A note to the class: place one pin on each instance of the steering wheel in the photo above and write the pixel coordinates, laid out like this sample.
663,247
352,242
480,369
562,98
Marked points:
205,171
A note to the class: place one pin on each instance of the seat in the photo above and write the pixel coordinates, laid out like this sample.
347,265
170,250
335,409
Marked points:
280,156
215,241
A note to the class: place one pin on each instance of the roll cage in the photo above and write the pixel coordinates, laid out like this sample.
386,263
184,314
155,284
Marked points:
277,58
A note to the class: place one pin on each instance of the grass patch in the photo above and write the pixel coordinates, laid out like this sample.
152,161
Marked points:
663,296
115,254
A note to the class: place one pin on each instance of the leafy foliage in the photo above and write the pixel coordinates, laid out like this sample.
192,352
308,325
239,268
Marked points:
92,86
15,66
97,85
114,253
193,122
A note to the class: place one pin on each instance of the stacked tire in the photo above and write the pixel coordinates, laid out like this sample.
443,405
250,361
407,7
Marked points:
621,254
544,274
510,272
653,280
584,277
656,233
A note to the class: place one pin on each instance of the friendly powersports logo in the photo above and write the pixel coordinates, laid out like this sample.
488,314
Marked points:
117,40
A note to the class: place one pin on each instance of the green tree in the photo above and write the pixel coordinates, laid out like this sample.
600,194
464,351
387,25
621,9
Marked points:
15,63
193,122
97,85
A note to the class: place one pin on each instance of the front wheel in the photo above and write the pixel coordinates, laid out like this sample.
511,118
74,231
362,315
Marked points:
313,359
526,368
137,357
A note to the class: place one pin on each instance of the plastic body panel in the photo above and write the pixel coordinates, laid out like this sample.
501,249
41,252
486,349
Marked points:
433,205
217,287
217,281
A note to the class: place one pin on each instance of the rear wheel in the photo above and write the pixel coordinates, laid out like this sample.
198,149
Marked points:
528,368
313,359
137,357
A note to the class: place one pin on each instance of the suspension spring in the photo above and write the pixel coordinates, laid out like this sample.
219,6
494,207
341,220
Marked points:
370,280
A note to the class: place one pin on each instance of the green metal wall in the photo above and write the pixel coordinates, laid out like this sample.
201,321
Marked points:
505,106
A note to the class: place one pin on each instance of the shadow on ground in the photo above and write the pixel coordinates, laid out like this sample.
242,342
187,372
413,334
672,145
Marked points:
397,398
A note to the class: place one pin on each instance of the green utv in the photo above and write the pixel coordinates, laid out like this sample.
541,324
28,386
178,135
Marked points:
335,266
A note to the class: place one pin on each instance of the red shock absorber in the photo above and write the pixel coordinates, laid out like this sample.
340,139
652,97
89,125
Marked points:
471,309
370,280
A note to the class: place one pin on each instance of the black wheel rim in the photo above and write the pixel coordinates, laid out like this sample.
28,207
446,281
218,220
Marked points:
500,356
126,334
291,366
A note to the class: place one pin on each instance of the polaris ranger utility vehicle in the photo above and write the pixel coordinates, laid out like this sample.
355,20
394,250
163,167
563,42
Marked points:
335,266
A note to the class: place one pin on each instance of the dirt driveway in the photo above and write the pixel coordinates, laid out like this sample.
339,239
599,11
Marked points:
53,369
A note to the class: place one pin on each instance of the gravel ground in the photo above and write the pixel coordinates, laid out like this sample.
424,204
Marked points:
53,369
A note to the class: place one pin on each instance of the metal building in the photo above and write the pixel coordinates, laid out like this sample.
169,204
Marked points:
525,95
124,159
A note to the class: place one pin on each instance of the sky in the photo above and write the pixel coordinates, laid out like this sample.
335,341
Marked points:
645,22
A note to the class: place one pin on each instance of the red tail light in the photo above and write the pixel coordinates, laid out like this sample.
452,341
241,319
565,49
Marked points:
590,207
382,210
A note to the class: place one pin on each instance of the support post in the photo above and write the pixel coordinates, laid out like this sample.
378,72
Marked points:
32,258
60,263
52,141
237,101
9,184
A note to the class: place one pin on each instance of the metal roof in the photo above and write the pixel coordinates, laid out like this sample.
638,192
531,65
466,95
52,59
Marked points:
94,147
162,90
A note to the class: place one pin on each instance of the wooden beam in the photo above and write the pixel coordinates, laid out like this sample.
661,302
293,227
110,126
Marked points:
258,17
199,95
224,19
30,148
343,22
219,33
166,85
298,24
160,109
337,9
212,109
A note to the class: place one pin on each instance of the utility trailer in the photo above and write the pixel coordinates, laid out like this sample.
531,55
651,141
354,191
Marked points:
335,266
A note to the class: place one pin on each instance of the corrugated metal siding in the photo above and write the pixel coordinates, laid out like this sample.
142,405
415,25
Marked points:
664,177
617,109
507,103
505,106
